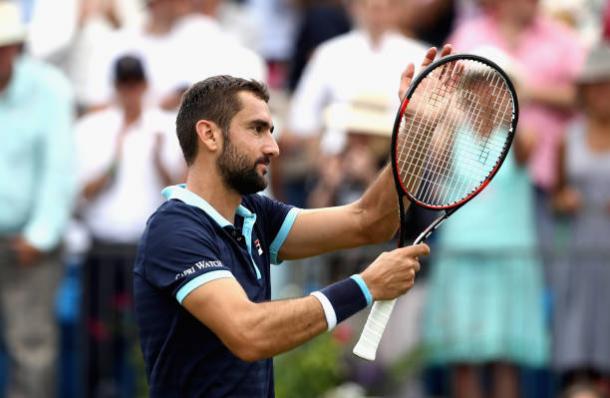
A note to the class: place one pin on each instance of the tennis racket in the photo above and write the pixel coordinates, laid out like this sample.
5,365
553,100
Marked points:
451,134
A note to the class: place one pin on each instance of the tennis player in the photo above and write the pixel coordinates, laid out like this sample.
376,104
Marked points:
202,276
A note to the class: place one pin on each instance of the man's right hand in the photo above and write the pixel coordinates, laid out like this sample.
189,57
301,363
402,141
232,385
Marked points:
392,274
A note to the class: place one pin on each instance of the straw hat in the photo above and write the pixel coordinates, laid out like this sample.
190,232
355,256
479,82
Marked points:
12,29
597,65
368,113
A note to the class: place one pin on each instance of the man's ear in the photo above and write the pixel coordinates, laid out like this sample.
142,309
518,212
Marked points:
209,135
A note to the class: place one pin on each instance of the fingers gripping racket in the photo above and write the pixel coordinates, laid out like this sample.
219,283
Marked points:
452,132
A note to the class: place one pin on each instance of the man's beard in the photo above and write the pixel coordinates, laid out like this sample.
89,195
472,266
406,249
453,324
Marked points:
238,172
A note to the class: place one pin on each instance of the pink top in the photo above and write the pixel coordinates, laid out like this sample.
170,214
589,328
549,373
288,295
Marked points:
548,54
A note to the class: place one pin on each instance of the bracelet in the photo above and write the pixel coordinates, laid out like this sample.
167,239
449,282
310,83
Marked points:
343,299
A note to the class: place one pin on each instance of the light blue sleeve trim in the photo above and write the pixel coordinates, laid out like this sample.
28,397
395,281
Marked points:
277,243
200,281
365,289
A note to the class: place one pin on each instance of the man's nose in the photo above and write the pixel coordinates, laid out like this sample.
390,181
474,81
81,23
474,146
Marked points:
271,147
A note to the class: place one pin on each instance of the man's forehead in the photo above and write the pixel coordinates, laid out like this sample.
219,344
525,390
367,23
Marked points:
253,107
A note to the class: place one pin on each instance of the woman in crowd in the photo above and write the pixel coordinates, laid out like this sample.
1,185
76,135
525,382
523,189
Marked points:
582,318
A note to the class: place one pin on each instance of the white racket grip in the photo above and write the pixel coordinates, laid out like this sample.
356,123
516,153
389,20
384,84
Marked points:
373,329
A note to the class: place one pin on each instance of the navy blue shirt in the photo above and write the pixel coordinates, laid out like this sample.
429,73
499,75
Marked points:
186,244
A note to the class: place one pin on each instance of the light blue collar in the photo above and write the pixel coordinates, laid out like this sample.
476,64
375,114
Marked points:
181,193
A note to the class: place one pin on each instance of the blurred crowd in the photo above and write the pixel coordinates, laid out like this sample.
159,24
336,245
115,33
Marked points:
514,301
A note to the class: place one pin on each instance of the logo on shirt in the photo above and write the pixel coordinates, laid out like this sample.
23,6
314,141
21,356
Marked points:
198,267
257,243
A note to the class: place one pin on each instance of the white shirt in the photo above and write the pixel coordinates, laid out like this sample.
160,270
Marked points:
344,68
119,213
159,56
206,49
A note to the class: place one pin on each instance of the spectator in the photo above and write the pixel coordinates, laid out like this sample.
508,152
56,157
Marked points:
229,55
36,197
582,319
484,292
153,42
320,20
363,60
127,153
367,120
551,55
359,61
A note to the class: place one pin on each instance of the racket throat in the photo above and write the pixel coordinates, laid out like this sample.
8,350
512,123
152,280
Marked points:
432,227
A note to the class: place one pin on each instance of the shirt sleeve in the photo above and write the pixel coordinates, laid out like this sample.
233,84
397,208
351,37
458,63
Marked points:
181,254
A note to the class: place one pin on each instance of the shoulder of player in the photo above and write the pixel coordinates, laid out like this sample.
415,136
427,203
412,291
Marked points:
175,218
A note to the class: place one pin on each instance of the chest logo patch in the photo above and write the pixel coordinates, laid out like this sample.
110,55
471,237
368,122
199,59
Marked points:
259,249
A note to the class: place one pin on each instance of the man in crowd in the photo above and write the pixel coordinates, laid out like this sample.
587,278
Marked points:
37,187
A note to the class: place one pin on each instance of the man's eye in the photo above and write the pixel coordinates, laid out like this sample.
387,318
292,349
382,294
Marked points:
259,129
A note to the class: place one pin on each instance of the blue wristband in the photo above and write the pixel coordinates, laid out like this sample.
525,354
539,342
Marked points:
346,298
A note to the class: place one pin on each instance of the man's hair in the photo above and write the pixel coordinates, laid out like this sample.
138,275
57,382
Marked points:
129,69
214,99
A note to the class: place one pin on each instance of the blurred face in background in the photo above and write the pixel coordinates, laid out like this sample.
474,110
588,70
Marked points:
518,12
130,94
168,10
376,16
595,100
206,7
8,54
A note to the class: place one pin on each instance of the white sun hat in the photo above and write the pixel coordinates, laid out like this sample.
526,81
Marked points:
12,29
597,65
367,113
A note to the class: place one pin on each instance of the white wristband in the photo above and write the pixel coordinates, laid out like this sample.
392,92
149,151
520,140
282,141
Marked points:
329,311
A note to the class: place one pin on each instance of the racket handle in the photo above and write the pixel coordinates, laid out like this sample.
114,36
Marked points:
373,330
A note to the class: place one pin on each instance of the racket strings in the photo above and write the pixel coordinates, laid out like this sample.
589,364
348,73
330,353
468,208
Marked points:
423,154
442,170
455,133
418,124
